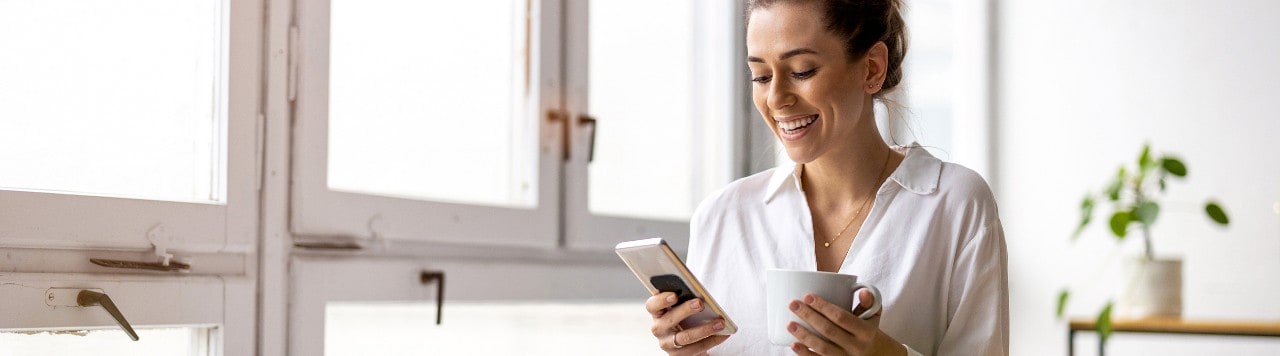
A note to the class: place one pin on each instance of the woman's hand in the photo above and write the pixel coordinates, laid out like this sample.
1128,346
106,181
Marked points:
849,334
666,326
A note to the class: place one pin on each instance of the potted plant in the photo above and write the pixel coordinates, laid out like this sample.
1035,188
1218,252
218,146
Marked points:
1155,284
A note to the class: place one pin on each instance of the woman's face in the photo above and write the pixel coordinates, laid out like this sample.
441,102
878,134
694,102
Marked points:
805,88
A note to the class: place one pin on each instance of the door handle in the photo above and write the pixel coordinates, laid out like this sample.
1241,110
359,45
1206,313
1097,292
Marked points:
88,298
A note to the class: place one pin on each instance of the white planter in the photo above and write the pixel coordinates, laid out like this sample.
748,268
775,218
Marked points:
1154,289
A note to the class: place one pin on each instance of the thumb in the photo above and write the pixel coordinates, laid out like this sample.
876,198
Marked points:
865,301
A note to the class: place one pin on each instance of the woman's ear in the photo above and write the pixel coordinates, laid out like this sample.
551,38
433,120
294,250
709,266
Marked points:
877,62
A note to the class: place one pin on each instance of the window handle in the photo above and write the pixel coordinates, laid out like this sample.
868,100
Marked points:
88,298
584,120
438,278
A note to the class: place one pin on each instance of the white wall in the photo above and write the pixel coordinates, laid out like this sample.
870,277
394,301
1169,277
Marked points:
1081,85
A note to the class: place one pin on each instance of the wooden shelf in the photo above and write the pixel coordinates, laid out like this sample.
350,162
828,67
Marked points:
1169,325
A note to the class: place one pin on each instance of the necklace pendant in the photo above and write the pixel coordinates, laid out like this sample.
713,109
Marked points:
826,244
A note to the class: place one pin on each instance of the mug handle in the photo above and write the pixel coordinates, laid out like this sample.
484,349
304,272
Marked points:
875,305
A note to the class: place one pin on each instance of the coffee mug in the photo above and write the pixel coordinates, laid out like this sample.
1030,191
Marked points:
785,286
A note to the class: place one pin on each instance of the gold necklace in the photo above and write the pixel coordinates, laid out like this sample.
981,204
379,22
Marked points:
864,202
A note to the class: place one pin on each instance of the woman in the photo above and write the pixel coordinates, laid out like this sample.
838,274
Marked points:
927,233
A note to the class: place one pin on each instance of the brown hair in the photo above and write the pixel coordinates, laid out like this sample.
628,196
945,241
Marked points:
861,23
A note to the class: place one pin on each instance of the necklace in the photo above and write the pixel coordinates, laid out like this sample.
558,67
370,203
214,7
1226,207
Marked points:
863,205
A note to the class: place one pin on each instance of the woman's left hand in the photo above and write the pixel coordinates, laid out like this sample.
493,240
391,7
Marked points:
849,334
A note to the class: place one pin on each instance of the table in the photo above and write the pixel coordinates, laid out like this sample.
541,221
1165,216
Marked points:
1168,325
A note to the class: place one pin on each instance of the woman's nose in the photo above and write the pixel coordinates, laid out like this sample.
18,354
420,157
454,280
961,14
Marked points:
780,96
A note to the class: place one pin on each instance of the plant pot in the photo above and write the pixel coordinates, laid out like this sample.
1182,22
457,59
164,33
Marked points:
1154,289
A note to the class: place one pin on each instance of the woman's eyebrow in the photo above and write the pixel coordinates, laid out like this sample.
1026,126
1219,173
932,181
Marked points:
784,56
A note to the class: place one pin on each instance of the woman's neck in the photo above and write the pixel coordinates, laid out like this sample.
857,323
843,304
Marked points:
846,176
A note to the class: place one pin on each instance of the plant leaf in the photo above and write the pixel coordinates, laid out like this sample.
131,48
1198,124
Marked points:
1113,191
1086,215
1174,166
1120,223
1146,212
1162,183
1104,323
1144,159
1216,213
1062,301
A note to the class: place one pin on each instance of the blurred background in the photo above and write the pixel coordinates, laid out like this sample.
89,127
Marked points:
333,171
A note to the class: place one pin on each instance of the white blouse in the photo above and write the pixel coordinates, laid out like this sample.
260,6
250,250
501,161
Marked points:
932,243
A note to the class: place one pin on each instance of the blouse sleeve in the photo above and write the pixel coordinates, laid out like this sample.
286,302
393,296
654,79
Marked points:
979,297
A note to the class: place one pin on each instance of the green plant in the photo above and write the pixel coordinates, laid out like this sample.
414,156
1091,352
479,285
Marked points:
1134,197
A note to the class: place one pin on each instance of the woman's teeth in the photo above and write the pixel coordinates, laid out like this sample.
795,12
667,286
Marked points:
793,125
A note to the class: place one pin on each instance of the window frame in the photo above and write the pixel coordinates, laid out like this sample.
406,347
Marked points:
42,233
41,220
720,94
328,217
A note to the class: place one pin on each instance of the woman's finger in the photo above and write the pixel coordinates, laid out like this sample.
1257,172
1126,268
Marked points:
658,303
812,341
700,332
841,318
701,347
823,324
672,318
802,350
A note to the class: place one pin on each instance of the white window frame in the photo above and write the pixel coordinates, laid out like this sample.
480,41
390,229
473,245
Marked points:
320,278
67,221
324,216
48,238
717,32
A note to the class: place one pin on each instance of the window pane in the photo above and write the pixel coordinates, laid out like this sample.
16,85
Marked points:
116,98
641,89
360,329
426,101
108,342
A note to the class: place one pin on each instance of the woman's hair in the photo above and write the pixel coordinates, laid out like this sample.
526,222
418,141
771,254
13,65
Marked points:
861,23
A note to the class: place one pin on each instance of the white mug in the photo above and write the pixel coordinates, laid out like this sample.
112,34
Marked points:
785,286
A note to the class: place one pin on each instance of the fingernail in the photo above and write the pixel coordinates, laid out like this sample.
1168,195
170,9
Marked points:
808,299
797,346
719,325
671,298
794,305
696,304
791,327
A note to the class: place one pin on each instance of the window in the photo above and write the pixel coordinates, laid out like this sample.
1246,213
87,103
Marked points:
665,124
946,84
128,131
420,149
417,110
410,131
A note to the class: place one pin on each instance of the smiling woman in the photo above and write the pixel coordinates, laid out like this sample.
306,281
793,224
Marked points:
926,232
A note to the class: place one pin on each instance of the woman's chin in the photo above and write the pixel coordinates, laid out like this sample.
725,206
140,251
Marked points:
799,155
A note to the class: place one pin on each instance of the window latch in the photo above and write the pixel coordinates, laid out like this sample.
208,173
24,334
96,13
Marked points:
438,277
76,297
160,241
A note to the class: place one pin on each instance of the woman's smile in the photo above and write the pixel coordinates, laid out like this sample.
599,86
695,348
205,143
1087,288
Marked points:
793,128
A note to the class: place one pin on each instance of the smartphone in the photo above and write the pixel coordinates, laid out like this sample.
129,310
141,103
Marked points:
660,270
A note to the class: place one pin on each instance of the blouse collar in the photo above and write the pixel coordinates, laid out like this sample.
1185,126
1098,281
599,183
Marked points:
918,173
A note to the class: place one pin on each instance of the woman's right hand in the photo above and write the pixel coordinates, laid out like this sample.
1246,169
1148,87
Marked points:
666,326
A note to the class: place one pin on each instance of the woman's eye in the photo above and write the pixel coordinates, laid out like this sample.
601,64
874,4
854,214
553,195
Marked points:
761,79
805,74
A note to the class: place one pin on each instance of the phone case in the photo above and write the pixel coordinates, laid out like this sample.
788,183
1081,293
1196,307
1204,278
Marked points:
660,270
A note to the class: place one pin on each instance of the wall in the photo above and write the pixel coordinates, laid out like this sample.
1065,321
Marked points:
1081,85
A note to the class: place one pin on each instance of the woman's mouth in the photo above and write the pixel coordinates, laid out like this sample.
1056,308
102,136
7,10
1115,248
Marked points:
792,127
